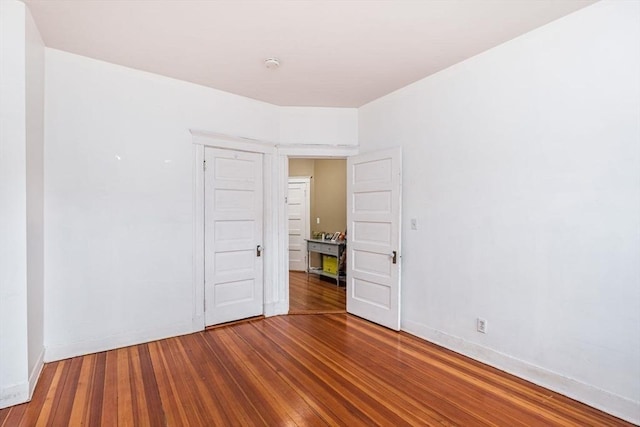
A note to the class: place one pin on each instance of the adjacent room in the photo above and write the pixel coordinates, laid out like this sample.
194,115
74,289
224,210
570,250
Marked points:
360,212
317,219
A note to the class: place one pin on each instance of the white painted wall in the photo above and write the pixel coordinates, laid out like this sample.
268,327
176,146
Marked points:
119,197
13,194
316,125
119,202
21,196
34,59
522,168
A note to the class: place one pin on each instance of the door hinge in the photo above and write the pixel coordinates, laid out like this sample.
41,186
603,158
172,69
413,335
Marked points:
286,200
204,165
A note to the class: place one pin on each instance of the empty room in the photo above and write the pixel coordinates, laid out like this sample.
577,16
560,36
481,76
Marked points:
455,184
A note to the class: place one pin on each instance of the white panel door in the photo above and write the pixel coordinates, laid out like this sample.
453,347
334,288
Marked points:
373,218
298,214
233,235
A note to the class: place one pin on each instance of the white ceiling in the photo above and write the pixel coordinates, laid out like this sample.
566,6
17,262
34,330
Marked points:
333,53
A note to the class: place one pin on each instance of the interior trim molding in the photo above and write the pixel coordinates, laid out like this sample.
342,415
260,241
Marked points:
240,143
35,373
200,141
317,150
278,308
81,348
14,395
230,142
198,237
276,171
585,393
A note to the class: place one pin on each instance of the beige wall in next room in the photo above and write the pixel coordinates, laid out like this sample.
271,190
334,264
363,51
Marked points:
328,191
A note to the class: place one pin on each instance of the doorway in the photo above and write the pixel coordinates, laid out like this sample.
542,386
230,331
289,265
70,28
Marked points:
374,200
299,211
324,181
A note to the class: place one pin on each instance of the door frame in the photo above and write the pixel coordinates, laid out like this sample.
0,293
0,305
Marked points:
276,227
307,201
302,152
200,141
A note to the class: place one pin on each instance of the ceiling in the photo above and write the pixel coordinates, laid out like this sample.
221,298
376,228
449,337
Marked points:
333,53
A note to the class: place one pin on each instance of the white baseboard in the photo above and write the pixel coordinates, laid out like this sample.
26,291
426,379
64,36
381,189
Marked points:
65,351
14,395
35,373
618,406
22,392
198,323
277,308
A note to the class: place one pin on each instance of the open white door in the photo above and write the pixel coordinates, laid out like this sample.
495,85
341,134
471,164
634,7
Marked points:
233,235
373,217
298,202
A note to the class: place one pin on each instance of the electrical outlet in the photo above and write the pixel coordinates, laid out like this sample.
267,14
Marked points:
414,224
481,325
318,220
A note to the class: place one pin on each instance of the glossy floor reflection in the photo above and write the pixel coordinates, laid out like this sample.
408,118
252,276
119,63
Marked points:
328,369
314,294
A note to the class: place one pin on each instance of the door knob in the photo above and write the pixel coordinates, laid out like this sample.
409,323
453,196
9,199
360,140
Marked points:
259,250
394,257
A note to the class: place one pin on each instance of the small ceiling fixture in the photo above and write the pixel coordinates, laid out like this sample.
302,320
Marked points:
272,63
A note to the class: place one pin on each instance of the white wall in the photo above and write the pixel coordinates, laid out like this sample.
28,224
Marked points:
522,168
317,125
13,245
21,196
119,197
34,59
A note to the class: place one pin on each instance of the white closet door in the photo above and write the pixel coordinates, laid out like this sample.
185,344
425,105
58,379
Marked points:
233,235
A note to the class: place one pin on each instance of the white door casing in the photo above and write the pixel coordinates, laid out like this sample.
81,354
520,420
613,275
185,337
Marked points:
374,185
275,234
233,235
298,201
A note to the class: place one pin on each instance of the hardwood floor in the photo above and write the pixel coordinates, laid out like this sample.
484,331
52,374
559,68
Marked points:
332,369
314,295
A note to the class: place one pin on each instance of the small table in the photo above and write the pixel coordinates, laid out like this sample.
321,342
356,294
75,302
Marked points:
325,247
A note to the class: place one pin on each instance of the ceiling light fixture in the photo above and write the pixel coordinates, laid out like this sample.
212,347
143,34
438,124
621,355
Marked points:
272,63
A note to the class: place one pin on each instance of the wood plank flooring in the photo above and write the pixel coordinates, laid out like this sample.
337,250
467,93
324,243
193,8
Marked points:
330,369
314,295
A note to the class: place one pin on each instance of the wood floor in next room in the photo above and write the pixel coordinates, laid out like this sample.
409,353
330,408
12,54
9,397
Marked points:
312,294
316,370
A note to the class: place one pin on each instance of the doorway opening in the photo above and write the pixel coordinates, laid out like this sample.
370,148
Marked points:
373,192
317,210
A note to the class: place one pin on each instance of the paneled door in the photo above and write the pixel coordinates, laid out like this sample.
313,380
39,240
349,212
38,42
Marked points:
373,217
233,235
298,215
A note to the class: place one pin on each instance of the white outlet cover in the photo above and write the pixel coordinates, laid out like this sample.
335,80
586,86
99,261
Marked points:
482,325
